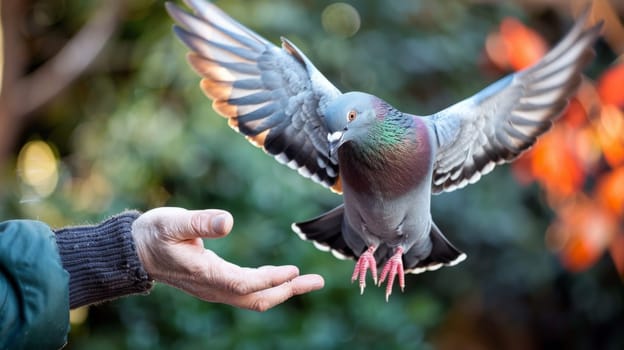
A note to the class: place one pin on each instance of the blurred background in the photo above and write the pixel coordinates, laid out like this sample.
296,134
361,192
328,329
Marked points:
99,112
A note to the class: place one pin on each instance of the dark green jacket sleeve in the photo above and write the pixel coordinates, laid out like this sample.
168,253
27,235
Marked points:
34,288
44,273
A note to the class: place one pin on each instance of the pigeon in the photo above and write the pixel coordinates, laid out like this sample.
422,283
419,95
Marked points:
385,163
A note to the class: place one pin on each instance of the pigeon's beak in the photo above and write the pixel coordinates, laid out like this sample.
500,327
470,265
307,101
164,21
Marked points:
335,141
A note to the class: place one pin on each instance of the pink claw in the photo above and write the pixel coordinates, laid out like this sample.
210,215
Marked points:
393,267
365,262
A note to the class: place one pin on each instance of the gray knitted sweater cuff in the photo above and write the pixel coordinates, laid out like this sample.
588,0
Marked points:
102,261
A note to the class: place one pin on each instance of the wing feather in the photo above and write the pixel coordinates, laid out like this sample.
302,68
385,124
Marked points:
274,96
499,123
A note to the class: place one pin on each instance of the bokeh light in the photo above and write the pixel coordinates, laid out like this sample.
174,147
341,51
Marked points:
38,168
78,316
341,19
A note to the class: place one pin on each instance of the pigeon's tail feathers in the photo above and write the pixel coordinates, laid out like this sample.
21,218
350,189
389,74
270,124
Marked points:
325,231
443,253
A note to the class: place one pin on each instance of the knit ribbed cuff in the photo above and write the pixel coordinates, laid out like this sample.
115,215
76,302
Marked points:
102,261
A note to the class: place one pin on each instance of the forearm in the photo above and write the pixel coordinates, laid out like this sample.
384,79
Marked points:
102,261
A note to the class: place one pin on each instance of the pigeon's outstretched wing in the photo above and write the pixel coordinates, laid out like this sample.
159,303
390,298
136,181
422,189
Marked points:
274,96
500,122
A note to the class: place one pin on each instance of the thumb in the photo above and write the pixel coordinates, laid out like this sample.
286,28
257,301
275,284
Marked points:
183,224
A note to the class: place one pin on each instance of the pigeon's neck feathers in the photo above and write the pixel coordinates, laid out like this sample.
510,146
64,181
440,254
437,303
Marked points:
390,129
397,146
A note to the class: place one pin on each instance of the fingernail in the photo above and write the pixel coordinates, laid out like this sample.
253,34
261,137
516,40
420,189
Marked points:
294,270
218,223
320,281
316,281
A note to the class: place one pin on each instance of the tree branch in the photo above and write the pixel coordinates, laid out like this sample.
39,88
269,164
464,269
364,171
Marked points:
21,95
74,58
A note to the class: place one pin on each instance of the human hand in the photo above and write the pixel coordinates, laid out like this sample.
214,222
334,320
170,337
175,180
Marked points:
170,247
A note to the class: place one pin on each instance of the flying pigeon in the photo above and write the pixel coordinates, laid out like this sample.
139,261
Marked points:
385,162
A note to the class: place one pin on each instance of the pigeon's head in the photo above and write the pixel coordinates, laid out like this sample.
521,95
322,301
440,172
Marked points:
349,117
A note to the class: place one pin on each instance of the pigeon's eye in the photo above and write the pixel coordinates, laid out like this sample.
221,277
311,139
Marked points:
351,116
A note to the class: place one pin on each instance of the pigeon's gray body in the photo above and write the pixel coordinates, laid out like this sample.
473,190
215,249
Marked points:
388,219
394,209
386,163
388,212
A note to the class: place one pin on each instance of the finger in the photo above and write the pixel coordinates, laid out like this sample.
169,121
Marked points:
190,224
212,223
268,298
242,281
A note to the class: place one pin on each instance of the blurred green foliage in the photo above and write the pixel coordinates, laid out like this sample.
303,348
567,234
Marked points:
135,131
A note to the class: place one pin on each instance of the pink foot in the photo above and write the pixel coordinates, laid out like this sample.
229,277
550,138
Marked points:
366,261
393,267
